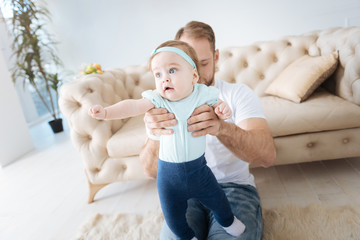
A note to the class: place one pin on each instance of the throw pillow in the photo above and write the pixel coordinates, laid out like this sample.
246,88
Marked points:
300,79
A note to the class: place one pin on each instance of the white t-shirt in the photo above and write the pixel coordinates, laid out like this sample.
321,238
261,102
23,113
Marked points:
244,104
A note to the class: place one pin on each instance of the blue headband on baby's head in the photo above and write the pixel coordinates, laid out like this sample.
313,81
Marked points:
178,51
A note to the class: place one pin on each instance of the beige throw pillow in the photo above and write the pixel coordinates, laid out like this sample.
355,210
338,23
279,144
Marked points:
300,79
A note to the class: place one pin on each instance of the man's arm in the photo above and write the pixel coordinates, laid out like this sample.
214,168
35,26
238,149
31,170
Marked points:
149,157
249,140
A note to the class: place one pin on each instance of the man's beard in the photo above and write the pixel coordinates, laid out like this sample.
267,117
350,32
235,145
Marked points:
208,82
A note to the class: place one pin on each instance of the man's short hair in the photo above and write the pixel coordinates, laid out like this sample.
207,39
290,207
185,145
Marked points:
197,30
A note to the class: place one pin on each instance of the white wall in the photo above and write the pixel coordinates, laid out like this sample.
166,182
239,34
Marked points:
117,33
15,139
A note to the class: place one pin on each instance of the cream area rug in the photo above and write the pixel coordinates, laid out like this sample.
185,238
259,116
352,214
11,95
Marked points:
314,222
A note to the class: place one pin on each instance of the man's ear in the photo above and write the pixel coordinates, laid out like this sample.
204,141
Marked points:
216,55
195,76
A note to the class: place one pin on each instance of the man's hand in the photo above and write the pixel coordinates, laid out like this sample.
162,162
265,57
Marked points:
157,119
204,121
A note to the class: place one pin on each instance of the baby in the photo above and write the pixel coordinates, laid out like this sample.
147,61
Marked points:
182,170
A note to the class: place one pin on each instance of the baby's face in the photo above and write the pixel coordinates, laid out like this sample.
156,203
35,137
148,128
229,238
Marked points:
174,76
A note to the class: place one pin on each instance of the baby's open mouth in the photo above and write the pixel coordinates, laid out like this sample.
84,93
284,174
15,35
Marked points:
168,88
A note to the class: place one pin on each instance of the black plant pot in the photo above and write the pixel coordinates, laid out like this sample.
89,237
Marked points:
56,125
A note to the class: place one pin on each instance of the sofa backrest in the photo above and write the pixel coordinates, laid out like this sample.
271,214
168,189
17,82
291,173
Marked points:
257,65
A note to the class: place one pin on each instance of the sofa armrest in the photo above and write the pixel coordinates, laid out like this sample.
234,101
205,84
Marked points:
345,82
78,96
90,136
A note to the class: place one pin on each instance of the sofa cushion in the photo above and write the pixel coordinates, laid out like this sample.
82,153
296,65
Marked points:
321,112
299,80
129,139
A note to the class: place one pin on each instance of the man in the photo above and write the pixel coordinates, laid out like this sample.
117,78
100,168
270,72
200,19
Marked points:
231,144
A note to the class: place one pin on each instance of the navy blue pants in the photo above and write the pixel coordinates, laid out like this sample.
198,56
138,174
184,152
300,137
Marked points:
178,182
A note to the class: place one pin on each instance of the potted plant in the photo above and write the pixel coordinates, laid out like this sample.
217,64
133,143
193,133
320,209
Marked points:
35,55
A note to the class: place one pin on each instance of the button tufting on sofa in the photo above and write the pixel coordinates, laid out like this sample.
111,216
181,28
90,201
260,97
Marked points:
310,144
229,54
123,167
77,104
346,140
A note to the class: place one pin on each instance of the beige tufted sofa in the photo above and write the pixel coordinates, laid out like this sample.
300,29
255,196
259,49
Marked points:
325,126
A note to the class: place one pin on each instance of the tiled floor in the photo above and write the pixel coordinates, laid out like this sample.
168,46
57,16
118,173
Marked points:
44,194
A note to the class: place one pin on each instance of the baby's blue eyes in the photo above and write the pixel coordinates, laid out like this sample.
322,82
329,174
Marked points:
171,71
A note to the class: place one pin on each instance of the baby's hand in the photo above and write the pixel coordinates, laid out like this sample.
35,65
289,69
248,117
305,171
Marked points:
97,112
223,111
